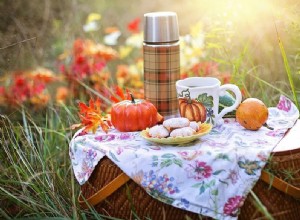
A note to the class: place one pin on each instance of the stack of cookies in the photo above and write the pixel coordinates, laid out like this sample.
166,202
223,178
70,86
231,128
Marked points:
174,127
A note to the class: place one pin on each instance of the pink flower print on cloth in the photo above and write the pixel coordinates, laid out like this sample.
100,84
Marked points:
189,155
233,176
233,204
87,165
284,104
199,170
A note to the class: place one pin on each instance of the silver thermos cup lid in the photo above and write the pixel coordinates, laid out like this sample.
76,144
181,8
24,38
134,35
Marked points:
160,27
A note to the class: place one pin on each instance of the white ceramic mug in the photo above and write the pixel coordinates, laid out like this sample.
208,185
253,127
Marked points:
199,99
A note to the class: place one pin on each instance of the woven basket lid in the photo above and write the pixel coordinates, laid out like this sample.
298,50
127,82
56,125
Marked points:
290,144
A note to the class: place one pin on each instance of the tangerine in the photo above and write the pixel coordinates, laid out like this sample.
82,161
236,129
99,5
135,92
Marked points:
252,114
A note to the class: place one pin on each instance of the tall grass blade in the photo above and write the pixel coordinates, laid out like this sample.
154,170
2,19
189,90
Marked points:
269,85
4,214
261,207
95,92
287,68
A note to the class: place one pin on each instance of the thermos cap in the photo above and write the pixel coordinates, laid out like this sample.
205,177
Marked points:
160,27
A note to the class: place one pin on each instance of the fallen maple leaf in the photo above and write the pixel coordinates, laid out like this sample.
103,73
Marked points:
91,116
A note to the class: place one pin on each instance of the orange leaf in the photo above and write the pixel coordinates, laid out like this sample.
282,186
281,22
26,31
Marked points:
119,95
119,92
91,116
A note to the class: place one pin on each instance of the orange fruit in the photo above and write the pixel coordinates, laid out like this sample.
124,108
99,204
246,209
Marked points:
252,114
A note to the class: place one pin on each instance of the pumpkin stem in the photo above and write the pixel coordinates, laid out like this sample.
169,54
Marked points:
187,96
267,126
132,98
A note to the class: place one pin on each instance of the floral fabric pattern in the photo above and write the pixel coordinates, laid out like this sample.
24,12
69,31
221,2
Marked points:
210,176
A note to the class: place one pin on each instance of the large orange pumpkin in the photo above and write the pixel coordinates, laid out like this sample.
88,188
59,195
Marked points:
191,109
134,115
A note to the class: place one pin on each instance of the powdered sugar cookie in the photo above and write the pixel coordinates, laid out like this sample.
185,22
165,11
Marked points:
182,132
194,125
174,123
158,131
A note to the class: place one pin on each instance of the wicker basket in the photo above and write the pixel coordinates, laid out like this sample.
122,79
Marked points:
280,194
127,200
113,194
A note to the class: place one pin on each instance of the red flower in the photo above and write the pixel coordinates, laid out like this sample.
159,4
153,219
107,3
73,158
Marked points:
98,66
133,26
225,78
2,95
205,68
78,47
20,90
27,88
62,68
81,67
184,75
80,59
199,171
233,204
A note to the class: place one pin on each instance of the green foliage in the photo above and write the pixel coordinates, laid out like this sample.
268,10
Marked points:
36,162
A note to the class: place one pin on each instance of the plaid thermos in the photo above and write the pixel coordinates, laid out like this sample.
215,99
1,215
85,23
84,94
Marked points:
161,61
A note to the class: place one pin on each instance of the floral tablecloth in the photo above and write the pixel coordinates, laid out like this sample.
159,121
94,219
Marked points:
210,176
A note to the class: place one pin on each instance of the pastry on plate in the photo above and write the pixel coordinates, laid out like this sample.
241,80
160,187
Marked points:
158,131
194,125
182,132
174,123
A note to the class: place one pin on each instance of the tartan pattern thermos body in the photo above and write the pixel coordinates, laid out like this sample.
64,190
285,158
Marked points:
161,61
161,71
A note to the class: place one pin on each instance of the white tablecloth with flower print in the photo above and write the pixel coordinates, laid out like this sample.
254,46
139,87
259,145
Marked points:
210,176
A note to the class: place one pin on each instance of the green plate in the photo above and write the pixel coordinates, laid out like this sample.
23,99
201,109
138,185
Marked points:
203,130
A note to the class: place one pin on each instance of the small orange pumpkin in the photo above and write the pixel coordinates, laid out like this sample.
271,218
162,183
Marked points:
191,109
134,115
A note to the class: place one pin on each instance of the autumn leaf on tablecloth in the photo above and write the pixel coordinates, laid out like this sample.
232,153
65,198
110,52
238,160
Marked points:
91,116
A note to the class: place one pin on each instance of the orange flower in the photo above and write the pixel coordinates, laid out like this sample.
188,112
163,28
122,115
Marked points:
61,94
85,48
110,30
106,53
40,100
42,75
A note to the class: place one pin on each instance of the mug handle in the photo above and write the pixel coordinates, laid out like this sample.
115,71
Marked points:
238,98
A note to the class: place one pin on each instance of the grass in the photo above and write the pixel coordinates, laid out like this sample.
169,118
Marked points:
36,167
